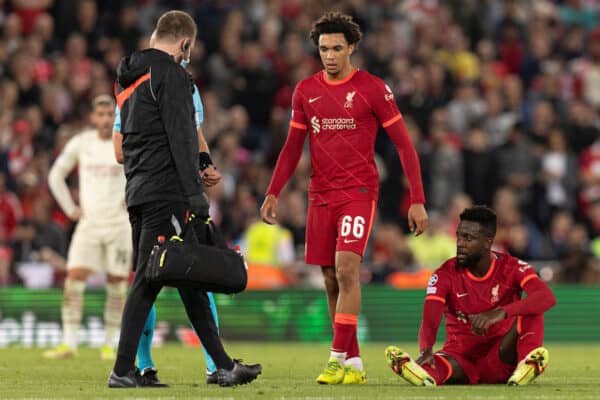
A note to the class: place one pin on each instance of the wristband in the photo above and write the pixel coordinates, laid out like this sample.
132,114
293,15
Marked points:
204,160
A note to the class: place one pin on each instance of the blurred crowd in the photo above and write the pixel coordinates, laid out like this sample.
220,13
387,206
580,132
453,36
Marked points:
502,99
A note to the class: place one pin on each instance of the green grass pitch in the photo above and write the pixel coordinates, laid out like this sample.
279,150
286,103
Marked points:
289,371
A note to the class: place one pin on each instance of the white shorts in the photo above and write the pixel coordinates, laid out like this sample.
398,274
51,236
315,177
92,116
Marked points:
101,247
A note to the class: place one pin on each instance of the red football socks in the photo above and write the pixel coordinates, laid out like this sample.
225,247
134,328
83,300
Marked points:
353,350
530,329
344,328
442,370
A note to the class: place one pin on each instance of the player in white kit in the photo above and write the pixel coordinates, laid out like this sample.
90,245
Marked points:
102,238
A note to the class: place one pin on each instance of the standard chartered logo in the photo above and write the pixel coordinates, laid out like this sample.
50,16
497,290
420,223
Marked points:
332,124
314,121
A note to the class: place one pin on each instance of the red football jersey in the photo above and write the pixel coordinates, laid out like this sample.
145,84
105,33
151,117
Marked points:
342,119
463,292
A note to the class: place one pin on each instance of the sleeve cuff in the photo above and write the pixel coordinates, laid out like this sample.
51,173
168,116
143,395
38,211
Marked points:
508,310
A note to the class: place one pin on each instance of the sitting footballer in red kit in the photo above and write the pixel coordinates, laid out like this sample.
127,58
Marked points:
492,334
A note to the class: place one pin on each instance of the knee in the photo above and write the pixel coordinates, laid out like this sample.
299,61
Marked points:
347,274
329,276
115,279
530,322
78,274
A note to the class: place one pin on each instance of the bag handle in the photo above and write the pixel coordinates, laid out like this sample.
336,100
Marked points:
213,237
191,221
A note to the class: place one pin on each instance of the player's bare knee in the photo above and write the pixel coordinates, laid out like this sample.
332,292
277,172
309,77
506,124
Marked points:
347,275
115,279
332,288
330,279
328,274
78,274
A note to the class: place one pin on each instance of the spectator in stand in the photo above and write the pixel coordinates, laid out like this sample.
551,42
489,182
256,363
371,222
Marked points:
40,239
581,128
417,102
466,107
589,176
10,215
577,12
254,87
515,164
578,263
558,232
557,177
497,121
588,71
446,169
88,25
478,166
12,29
215,117
43,27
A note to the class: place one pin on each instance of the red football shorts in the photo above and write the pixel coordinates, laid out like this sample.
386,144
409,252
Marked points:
342,226
487,368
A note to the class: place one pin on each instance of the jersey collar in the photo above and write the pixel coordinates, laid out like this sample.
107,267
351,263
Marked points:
487,275
346,79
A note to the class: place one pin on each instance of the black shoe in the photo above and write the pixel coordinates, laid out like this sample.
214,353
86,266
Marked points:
212,378
240,374
149,378
126,381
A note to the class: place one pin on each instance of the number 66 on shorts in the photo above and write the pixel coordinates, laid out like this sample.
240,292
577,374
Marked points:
341,226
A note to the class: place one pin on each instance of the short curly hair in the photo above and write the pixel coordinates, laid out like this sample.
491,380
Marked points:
484,216
336,22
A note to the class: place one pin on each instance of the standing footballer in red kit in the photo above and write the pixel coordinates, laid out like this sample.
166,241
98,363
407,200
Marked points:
492,334
340,109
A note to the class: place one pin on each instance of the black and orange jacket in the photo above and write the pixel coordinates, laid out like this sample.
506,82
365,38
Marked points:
160,146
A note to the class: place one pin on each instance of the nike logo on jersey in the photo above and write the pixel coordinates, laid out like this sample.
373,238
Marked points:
459,295
350,241
313,99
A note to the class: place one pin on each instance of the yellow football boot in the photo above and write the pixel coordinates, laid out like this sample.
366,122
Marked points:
530,367
107,353
333,373
402,364
61,351
353,376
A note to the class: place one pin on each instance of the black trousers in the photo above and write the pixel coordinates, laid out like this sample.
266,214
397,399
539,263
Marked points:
148,221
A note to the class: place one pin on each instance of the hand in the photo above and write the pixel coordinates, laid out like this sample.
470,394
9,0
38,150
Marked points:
268,210
417,218
462,317
426,358
198,205
210,176
481,322
75,214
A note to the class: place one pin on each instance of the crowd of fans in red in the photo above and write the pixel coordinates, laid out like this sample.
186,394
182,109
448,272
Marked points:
502,99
